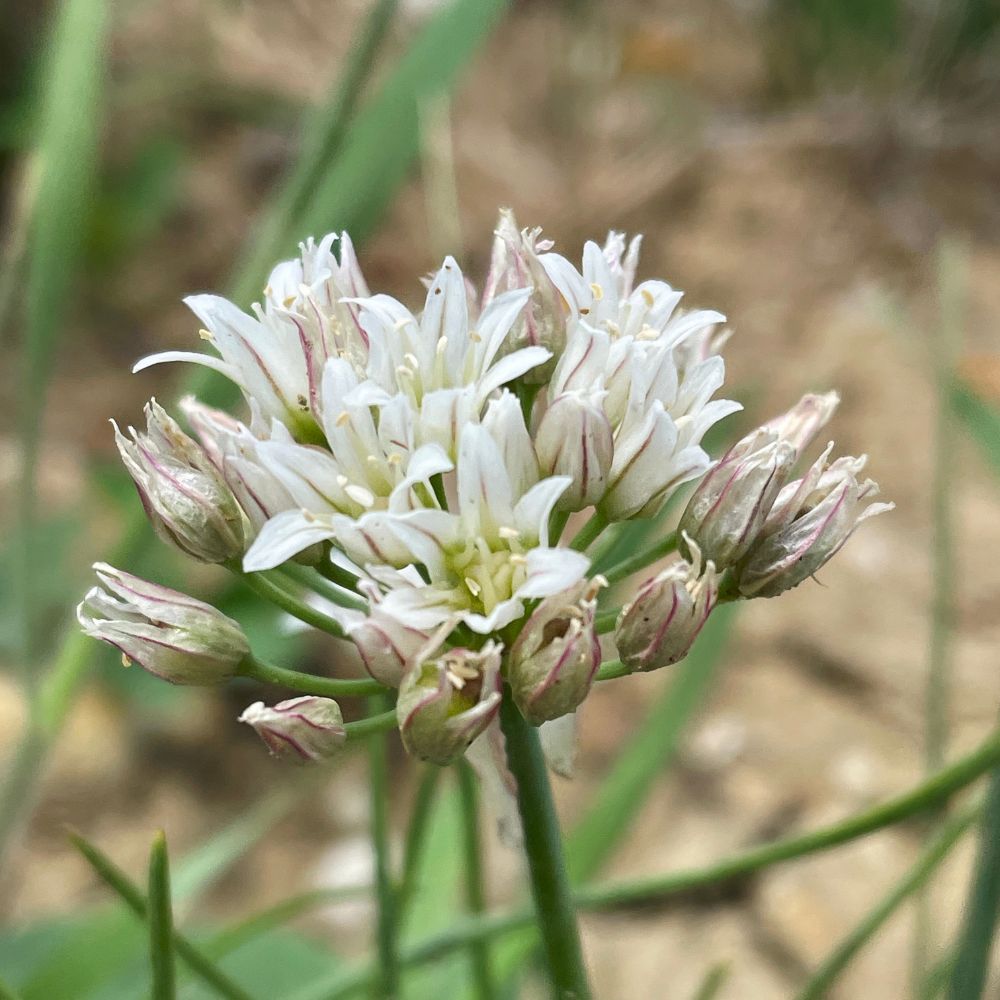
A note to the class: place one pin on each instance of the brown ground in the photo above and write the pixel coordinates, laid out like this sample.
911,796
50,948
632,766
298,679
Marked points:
815,227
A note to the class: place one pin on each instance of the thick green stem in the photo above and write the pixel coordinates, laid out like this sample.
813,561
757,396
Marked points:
612,670
387,982
333,592
543,846
641,560
326,687
479,951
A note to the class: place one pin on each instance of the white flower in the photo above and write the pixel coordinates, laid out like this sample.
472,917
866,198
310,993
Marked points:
277,355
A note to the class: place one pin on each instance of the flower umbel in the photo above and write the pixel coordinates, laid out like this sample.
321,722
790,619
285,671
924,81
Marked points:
426,462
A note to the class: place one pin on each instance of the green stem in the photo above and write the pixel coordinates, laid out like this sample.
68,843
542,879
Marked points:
589,532
612,670
383,722
543,846
479,951
641,560
713,982
326,687
387,983
270,591
607,620
7,993
315,581
939,848
416,833
557,525
972,959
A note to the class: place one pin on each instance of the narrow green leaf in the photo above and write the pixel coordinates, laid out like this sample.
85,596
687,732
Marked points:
648,753
161,922
322,135
714,980
136,901
69,116
972,958
938,849
384,140
981,420
416,834
250,929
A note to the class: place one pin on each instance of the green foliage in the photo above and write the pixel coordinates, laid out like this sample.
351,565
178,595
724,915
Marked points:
972,956
161,922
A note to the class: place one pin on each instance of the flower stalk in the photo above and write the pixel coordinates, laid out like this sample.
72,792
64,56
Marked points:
550,886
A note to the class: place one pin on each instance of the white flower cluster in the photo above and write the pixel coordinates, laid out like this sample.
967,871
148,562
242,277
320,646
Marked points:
431,461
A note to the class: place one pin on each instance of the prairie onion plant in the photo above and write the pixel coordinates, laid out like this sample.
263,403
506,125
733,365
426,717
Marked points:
405,480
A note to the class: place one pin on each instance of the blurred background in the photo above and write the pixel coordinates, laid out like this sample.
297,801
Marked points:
826,173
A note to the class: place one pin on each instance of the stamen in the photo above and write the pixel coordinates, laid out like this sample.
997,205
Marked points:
647,296
413,360
475,337
342,480
473,586
597,290
342,418
509,533
206,335
360,495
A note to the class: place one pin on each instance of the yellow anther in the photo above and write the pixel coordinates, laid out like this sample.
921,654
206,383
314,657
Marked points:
360,495
517,559
507,532
342,418
126,662
647,297
473,586
206,335
475,337
597,291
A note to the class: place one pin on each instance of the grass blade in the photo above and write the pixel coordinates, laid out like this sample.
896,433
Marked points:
136,901
714,980
648,753
938,849
161,922
968,977
322,135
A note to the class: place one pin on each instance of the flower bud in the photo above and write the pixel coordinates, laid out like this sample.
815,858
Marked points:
386,645
173,636
809,523
731,504
660,625
309,728
185,498
727,510
515,264
574,439
555,658
446,702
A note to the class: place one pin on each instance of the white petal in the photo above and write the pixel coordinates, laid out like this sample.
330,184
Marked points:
552,570
485,502
284,536
533,510
510,367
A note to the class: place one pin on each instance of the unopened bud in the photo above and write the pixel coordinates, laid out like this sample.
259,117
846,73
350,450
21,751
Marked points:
515,264
308,728
809,523
185,497
173,636
575,439
445,702
386,646
661,624
555,658
727,510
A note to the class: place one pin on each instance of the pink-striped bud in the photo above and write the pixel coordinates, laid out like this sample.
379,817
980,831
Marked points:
184,496
660,625
555,658
308,728
446,701
575,439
